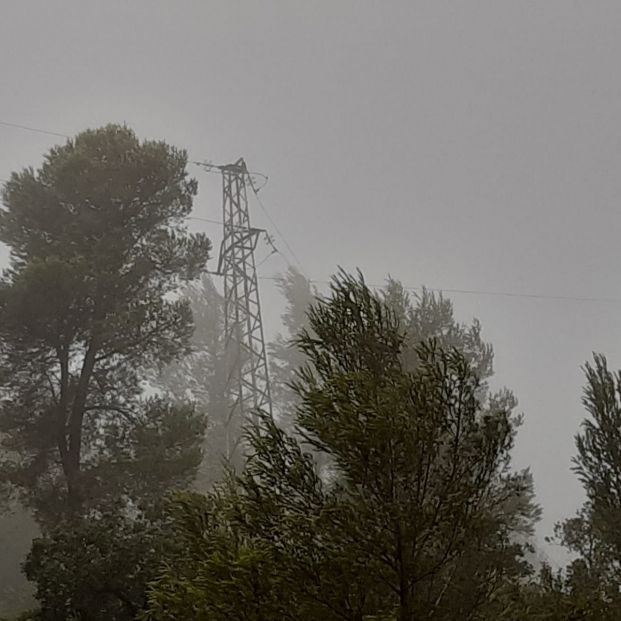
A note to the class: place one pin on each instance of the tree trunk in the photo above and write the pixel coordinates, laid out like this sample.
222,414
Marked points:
406,608
71,448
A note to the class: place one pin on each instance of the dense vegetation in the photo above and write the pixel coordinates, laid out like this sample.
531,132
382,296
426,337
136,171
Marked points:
382,488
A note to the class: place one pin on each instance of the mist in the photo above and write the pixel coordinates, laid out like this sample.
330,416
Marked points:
464,154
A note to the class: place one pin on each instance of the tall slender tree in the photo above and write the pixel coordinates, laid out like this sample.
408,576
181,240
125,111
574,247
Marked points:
593,578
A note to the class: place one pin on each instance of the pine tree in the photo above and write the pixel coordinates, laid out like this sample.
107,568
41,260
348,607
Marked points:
420,470
98,248
592,581
97,244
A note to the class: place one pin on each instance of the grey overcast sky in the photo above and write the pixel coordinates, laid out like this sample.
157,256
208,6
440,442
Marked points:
464,145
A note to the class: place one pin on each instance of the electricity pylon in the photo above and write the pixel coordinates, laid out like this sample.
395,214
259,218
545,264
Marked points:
247,386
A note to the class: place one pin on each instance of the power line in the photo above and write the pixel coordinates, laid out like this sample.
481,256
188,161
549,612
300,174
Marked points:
210,220
36,130
260,263
278,231
479,292
535,296
212,168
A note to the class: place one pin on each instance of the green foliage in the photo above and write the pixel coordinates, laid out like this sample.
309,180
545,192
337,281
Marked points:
97,246
432,317
417,489
97,568
87,311
97,565
216,572
591,583
598,463
555,597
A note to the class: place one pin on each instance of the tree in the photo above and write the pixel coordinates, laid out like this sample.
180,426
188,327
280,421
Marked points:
431,316
507,543
428,315
98,569
284,357
201,374
598,463
96,565
97,245
420,470
422,317
593,579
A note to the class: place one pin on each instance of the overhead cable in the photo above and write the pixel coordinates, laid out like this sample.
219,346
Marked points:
33,129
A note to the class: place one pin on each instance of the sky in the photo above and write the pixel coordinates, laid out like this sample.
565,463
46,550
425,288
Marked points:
460,145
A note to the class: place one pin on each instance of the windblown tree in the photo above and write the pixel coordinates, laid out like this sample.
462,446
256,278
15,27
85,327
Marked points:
97,245
588,589
285,357
429,315
503,552
200,376
96,565
593,579
421,469
598,463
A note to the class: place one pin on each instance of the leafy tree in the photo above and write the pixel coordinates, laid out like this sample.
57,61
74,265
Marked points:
428,315
201,375
97,245
588,589
431,316
284,357
507,541
543,598
598,463
216,571
424,316
97,568
592,581
420,470
96,565
87,306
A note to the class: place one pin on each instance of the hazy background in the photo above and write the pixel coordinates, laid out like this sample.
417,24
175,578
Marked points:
462,145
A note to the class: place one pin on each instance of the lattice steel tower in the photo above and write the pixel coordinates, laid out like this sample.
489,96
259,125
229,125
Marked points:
248,387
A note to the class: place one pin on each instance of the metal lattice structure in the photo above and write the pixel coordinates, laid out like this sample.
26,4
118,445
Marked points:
248,388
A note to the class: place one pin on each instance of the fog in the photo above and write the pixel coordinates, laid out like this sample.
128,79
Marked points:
472,148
